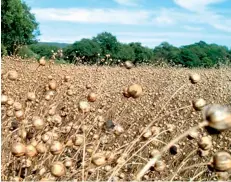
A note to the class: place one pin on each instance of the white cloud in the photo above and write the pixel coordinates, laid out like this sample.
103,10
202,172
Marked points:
203,14
63,39
203,18
163,20
167,17
110,16
142,39
191,28
177,34
196,5
128,2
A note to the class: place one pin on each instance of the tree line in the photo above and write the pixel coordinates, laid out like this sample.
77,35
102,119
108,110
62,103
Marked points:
20,30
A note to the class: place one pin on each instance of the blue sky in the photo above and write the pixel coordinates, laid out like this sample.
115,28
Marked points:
179,22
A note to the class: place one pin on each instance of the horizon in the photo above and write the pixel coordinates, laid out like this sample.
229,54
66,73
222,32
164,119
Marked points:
145,46
177,22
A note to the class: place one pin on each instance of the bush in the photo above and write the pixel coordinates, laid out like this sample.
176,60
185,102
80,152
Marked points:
3,50
61,61
25,52
43,50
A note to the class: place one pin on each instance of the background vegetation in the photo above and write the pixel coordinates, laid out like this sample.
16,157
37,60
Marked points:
20,29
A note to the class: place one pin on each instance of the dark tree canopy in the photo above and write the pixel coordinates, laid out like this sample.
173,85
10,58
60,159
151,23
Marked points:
86,48
93,50
125,53
19,26
108,43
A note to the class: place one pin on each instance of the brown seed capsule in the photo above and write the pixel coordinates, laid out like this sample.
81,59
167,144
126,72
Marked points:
194,78
218,117
222,161
155,152
128,64
69,143
155,130
108,168
90,149
18,149
58,169
27,163
205,143
50,77
203,153
57,119
160,166
193,135
17,106
92,97
22,133
88,86
19,114
125,92
10,113
42,171
118,129
31,151
52,111
45,137
34,142
56,148
38,122
99,159
68,162
199,104
42,61
110,156
223,176
52,85
70,92
135,90
147,134
67,78
47,97
31,96
4,99
84,106
78,140
41,148
171,127
10,101
12,75
96,136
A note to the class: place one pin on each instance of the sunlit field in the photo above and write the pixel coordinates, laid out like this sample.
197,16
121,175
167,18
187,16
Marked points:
66,122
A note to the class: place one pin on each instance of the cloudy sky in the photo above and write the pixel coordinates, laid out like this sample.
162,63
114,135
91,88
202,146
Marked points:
179,22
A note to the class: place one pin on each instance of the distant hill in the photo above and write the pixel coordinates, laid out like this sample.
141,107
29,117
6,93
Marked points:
60,45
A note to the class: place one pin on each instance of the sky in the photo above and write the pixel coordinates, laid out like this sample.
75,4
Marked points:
151,22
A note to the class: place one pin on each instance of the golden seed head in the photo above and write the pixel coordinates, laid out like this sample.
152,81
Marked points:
218,117
222,161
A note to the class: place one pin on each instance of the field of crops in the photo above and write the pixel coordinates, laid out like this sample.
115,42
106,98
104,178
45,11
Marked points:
66,122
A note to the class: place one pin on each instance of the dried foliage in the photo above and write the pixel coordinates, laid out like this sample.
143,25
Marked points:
66,122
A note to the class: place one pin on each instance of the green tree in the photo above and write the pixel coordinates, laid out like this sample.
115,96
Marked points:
43,49
166,52
108,43
26,52
125,53
3,50
142,54
189,58
86,48
19,26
